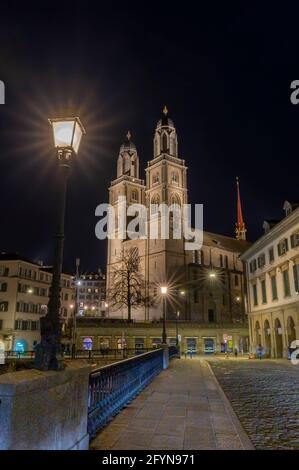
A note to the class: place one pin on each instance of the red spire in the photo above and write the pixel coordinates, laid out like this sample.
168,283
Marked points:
240,225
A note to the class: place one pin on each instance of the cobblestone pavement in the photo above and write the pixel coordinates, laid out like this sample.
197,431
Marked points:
265,396
183,408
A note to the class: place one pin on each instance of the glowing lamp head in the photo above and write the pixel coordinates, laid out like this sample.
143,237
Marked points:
182,292
67,133
164,290
71,306
30,290
85,307
106,305
212,275
93,307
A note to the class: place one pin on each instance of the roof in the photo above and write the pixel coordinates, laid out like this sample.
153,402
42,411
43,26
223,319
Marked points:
225,242
17,257
14,257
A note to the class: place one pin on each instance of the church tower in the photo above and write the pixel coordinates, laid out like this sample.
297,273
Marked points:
129,189
166,182
240,225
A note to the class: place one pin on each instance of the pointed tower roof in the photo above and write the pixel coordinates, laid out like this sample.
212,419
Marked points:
128,145
165,121
240,225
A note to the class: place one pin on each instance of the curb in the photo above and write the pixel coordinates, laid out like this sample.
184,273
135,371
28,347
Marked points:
243,436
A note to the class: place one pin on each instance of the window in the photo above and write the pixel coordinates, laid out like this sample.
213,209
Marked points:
3,286
286,283
271,254
252,266
3,306
221,261
1,324
34,325
197,257
66,297
295,240
254,291
175,177
164,143
134,196
296,277
195,296
226,261
261,261
264,292
155,204
274,288
156,178
18,324
4,271
211,315
283,247
236,280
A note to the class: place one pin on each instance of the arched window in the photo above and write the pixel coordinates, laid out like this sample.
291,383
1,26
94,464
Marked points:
175,201
164,142
134,196
175,177
155,202
156,178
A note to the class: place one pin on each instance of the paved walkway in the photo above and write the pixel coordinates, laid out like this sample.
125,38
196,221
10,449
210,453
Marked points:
183,408
265,396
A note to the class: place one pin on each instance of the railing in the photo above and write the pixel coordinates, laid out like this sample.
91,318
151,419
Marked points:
86,353
113,386
110,353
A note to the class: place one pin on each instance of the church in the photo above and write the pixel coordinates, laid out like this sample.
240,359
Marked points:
205,286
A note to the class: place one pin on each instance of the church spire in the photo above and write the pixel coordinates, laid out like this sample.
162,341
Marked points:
240,225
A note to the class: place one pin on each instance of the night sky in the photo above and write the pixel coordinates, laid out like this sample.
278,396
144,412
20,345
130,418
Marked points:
224,73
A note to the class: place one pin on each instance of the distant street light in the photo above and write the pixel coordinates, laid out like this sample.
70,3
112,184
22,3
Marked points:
212,275
164,293
67,133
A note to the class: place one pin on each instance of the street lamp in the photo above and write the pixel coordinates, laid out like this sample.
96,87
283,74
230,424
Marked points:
212,275
164,293
67,133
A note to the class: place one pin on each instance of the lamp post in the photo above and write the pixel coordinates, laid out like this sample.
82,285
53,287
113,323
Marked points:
74,331
164,293
177,328
67,133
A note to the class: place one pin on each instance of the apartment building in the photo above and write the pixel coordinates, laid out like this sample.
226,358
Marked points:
272,272
24,295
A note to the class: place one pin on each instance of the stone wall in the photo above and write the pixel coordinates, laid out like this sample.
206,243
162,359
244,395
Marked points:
45,410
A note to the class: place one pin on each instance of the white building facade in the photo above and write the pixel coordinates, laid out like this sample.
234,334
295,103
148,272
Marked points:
272,273
24,296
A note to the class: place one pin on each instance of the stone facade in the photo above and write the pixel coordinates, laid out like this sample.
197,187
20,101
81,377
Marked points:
206,285
200,338
24,290
272,266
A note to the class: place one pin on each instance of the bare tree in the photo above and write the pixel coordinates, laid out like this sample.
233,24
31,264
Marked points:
127,283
